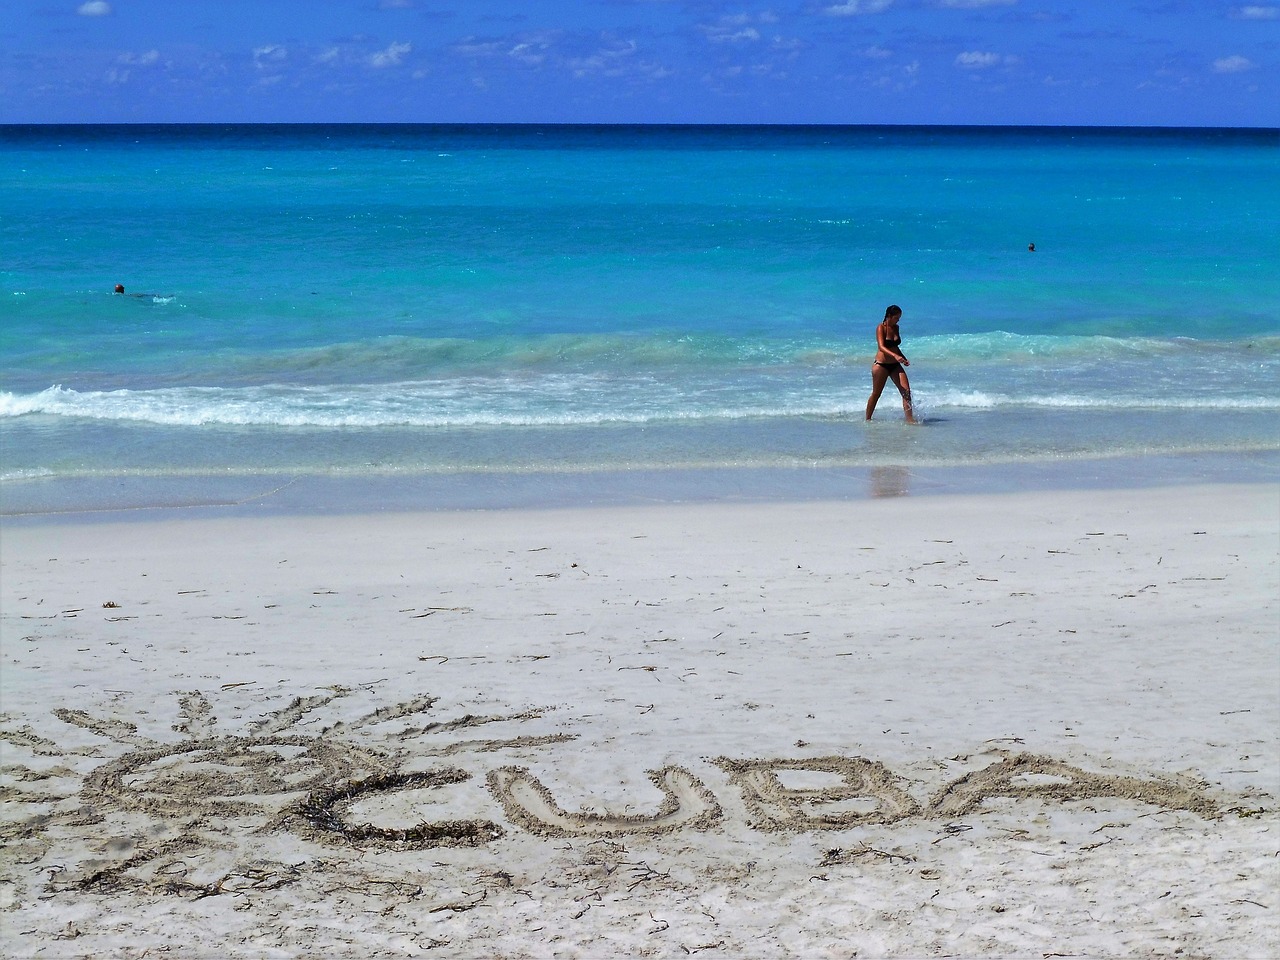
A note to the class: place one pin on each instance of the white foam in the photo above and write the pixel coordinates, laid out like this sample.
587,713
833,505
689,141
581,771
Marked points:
548,400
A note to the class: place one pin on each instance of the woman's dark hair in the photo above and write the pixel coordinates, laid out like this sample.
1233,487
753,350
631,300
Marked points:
893,311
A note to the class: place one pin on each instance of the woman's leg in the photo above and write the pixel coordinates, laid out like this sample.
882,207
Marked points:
904,388
879,376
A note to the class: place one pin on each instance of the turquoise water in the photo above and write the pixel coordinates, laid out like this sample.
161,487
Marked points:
418,301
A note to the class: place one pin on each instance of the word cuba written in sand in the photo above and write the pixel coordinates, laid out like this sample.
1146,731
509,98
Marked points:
348,783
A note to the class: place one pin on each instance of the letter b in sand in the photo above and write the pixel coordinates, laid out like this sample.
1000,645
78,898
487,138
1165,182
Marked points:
863,792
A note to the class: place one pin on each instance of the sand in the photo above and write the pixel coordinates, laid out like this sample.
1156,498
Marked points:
1039,724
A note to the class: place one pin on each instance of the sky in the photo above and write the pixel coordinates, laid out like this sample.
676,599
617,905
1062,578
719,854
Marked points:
1094,62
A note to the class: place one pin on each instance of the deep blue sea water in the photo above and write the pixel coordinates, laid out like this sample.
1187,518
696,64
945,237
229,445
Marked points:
426,301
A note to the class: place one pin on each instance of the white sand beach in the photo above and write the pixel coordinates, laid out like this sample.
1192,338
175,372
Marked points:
1033,724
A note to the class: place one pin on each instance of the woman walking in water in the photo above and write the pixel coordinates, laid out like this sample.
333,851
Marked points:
890,362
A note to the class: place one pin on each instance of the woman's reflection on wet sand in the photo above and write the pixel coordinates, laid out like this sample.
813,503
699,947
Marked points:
890,481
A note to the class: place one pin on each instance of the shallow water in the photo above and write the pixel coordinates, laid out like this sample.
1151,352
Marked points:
435,301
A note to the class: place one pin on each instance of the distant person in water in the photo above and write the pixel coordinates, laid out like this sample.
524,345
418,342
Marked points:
889,363
1031,248
142,296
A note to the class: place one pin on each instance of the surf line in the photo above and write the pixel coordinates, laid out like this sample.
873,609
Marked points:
866,792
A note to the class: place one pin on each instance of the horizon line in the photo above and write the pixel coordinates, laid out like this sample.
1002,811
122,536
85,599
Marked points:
624,123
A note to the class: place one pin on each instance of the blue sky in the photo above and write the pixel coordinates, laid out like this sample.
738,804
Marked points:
1160,62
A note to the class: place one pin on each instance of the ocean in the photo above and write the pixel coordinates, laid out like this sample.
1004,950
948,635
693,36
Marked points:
507,312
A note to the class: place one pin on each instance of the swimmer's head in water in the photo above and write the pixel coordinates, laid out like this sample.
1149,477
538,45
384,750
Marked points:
119,288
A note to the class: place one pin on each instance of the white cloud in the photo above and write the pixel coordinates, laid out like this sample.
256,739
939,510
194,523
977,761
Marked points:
263,57
737,28
1236,64
606,60
975,4
120,75
140,59
976,60
391,56
606,56
533,49
94,8
617,57
395,5
851,8
734,29
1258,13
898,78
528,53
876,53
746,33
471,47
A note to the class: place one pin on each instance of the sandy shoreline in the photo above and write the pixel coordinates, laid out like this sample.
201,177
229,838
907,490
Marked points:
965,725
